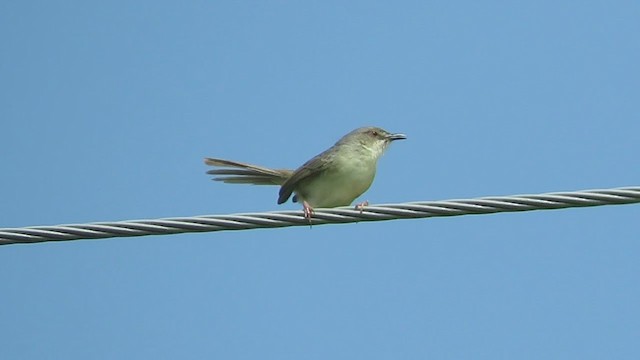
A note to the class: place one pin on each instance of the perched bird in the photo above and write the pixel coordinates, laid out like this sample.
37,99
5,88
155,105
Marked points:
335,177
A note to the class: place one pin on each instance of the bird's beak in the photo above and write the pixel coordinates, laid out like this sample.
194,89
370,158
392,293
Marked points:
392,137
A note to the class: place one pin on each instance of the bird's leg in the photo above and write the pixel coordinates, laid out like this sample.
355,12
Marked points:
361,206
307,209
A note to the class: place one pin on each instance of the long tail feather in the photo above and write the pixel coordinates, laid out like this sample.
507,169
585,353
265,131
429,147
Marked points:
234,172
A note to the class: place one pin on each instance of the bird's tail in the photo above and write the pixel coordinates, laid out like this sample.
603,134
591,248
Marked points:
234,172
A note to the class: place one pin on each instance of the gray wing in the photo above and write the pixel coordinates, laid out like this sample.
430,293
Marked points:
308,170
240,173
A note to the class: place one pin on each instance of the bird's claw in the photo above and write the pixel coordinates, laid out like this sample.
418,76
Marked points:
362,205
307,210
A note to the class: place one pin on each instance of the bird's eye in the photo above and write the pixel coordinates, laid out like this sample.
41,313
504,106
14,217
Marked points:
374,133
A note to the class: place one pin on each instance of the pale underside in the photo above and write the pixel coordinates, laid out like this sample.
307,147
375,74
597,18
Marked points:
336,186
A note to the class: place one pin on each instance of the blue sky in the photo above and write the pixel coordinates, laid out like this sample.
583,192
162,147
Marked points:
108,109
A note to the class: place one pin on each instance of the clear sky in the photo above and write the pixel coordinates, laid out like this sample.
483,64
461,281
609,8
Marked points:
107,109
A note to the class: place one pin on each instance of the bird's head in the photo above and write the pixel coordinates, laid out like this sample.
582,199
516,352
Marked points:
371,138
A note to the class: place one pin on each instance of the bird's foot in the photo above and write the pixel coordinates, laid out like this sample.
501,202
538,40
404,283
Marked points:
308,210
362,205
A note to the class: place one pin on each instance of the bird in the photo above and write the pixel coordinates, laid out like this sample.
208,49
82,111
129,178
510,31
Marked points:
335,177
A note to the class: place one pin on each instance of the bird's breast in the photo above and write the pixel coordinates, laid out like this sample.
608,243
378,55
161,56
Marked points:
340,184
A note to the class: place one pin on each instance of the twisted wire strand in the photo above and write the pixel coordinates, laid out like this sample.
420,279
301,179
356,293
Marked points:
412,210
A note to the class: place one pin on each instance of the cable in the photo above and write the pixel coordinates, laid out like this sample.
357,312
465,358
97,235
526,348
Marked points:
412,210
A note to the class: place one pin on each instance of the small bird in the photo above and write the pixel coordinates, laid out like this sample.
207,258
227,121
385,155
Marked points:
335,177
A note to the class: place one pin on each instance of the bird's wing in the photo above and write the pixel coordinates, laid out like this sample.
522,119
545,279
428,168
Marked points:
240,173
310,169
